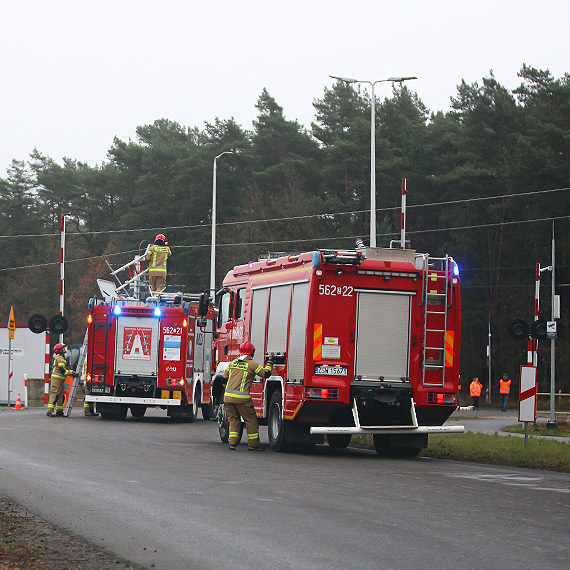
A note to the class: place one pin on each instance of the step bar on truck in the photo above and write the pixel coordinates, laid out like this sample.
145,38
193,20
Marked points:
404,429
129,400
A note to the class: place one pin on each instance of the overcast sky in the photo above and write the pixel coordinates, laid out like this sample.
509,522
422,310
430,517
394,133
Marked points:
75,74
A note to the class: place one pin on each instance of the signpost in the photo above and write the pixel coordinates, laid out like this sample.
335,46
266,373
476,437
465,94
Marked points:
11,330
527,398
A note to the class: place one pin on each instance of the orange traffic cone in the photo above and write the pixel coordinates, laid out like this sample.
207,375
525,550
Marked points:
18,405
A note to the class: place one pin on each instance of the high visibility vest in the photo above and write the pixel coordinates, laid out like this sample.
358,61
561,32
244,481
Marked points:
475,389
505,386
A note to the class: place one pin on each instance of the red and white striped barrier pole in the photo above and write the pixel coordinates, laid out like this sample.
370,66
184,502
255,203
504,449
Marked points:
46,371
62,271
536,309
403,230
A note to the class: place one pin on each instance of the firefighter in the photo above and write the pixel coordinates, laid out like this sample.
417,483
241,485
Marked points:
504,390
475,391
59,372
240,374
157,255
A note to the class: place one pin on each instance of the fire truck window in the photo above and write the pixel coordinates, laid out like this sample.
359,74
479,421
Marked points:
225,307
240,301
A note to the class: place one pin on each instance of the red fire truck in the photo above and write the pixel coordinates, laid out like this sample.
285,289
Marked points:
365,341
152,352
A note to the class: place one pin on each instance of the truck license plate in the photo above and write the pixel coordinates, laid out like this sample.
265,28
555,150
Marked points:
331,370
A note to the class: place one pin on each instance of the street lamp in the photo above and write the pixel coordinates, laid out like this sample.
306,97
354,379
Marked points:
213,248
372,144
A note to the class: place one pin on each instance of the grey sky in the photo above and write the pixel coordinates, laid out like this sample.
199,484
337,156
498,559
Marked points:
75,73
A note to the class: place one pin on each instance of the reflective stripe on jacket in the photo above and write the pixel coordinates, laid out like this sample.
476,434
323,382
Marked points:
505,386
240,374
157,256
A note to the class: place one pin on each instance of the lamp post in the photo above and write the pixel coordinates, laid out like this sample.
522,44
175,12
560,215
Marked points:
372,144
213,248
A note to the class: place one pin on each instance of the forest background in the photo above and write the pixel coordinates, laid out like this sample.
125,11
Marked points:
487,181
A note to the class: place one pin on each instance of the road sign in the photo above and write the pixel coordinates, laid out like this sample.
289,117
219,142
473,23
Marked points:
11,323
551,329
11,320
527,399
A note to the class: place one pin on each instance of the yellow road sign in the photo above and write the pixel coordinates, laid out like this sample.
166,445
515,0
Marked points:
11,320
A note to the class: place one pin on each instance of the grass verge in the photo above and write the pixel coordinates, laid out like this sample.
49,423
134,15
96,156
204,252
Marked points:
563,429
493,449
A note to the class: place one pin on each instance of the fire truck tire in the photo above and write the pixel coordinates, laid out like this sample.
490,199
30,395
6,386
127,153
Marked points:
138,410
116,412
339,441
207,411
384,449
276,426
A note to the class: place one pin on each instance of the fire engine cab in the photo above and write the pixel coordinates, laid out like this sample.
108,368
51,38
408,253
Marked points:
153,351
364,341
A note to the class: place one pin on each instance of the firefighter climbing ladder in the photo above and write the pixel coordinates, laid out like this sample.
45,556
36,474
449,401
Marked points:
70,390
436,301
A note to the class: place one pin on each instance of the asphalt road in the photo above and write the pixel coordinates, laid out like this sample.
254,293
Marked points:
171,496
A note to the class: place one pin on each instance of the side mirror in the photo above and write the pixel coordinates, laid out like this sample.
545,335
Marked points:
204,304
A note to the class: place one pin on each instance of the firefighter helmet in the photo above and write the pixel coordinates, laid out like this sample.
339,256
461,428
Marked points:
59,348
160,237
246,348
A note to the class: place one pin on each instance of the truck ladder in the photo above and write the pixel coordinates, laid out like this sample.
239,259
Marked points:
436,301
81,369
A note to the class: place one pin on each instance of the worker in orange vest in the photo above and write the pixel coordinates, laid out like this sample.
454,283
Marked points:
504,390
475,391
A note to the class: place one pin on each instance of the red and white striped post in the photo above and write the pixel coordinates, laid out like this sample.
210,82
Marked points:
62,271
403,230
46,370
536,311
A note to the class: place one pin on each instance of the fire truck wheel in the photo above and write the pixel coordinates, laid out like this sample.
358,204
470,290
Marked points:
113,411
138,410
207,411
384,449
339,441
276,427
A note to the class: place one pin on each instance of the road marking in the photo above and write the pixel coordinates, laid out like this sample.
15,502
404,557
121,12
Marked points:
510,479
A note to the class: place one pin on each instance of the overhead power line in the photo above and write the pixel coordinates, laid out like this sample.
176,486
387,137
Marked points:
323,215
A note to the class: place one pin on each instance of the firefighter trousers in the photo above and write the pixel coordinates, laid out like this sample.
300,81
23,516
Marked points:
56,394
246,411
157,282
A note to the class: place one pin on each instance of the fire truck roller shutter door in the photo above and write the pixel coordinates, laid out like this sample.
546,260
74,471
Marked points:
298,332
382,335
279,301
258,319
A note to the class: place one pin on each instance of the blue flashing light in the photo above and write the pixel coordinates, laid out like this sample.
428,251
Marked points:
157,312
456,270
117,310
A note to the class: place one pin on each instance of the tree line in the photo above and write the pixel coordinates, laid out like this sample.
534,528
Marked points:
486,182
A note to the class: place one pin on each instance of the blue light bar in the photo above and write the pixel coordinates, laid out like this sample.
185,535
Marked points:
157,312
456,270
117,310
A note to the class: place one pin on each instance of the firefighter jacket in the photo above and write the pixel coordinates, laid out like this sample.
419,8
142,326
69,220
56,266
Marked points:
504,386
475,388
157,256
60,368
240,375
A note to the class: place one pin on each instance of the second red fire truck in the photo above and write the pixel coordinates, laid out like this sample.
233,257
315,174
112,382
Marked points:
365,341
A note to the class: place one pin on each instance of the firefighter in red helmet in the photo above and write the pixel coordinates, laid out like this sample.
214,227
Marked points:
156,255
60,371
240,374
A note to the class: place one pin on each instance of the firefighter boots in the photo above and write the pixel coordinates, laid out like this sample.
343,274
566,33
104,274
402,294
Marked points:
50,414
256,448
